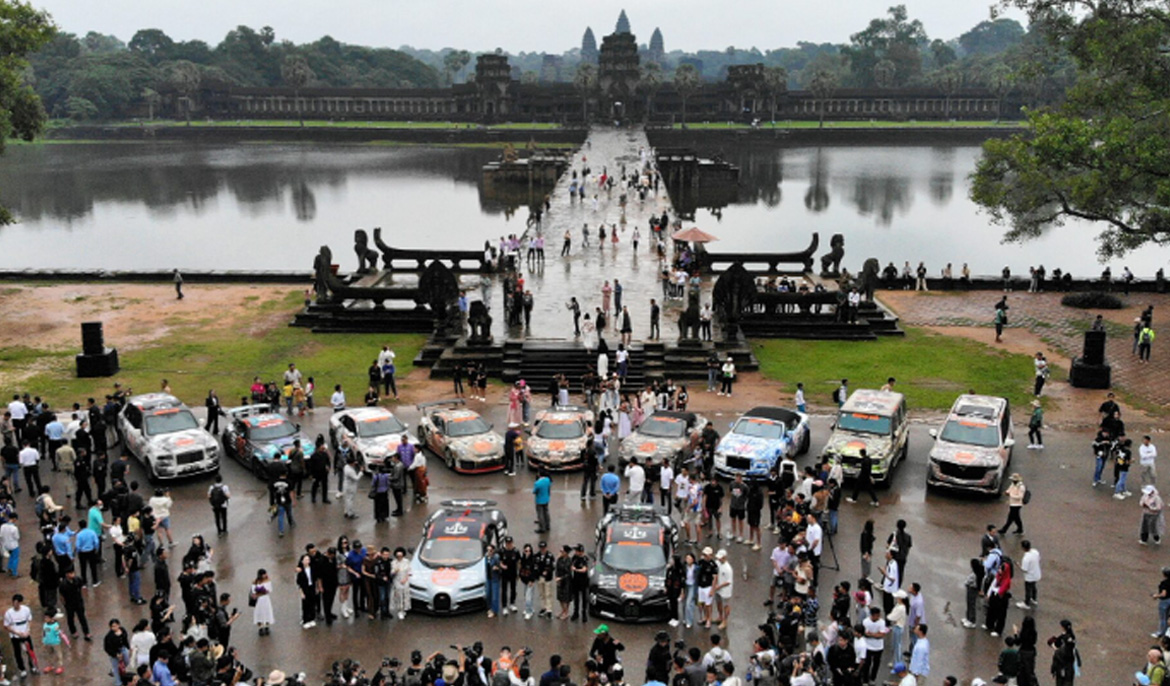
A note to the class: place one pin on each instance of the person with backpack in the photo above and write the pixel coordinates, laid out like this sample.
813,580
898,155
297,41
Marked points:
1035,427
1018,496
1145,340
219,495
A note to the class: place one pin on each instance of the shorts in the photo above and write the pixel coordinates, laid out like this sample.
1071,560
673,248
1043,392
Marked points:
705,596
738,514
693,517
164,523
754,519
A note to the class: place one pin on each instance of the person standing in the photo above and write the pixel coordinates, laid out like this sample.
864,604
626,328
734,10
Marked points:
1016,494
10,544
509,575
723,587
626,329
30,464
920,654
380,489
307,586
1040,365
727,376
1153,521
610,486
575,307
1066,659
655,315
116,645
635,480
491,562
319,471
864,481
1030,566
1000,320
218,495
1122,457
214,411
282,499
545,567
579,584
606,296
74,601
178,279
1145,341
875,631
397,483
1147,455
1036,427
541,496
589,467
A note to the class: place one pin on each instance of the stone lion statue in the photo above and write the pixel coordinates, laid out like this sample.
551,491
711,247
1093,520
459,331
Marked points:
870,278
365,254
480,322
831,261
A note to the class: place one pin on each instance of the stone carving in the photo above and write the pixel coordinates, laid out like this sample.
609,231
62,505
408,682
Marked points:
688,321
831,262
439,290
733,294
480,321
870,278
322,270
365,254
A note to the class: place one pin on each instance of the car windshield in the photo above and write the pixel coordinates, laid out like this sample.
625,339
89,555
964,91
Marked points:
663,427
271,429
633,557
560,429
759,428
380,426
169,421
971,433
860,422
466,426
450,551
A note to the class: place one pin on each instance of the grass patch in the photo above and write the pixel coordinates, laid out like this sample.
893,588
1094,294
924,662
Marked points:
314,123
874,124
931,369
195,360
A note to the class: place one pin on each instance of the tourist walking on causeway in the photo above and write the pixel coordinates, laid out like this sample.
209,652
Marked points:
1035,427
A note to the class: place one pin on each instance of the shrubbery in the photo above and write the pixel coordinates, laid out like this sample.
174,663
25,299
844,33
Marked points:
1093,300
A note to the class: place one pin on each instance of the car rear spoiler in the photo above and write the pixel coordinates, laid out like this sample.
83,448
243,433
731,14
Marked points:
438,403
469,504
250,410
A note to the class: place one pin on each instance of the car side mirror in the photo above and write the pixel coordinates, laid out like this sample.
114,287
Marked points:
1009,442
933,433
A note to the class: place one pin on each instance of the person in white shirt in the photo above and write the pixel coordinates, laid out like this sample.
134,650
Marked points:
160,507
875,642
10,543
337,400
1147,454
723,586
814,538
682,485
636,478
29,462
890,581
385,357
798,398
665,479
18,622
1030,566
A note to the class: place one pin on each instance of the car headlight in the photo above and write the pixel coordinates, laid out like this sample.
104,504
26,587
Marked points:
474,587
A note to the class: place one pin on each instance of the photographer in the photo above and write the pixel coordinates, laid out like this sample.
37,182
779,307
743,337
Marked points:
802,673
659,659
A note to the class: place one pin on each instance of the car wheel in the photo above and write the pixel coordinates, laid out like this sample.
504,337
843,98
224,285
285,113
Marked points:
806,443
258,468
449,459
227,445
151,475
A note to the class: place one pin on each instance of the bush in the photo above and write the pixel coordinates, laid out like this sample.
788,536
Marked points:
1094,300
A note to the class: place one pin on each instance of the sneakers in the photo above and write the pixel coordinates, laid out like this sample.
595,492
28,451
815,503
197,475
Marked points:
1039,446
756,546
1119,496
513,608
1023,606
967,624
673,622
401,615
491,614
1155,635
505,612
995,634
527,616
848,500
308,625
1031,446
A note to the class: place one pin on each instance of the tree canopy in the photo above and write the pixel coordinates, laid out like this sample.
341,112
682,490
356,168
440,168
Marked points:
22,30
1103,154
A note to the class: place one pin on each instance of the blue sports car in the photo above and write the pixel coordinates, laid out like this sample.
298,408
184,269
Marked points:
758,441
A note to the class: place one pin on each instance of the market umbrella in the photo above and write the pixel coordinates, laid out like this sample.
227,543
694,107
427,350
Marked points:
693,235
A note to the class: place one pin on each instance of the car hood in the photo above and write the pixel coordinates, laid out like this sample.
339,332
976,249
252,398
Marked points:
381,446
642,446
967,455
277,447
752,446
182,441
479,445
437,578
544,446
849,444
605,577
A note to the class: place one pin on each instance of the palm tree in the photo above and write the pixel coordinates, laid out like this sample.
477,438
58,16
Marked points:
776,83
651,80
453,62
949,80
686,82
585,80
822,83
297,73
1000,80
151,97
185,77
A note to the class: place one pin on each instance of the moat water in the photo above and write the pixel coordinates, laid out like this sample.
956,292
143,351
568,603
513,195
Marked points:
258,206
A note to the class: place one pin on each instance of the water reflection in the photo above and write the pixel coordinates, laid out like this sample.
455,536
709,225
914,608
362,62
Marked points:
881,196
816,198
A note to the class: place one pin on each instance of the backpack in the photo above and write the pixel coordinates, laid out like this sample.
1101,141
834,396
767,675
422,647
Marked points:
1145,336
837,395
218,497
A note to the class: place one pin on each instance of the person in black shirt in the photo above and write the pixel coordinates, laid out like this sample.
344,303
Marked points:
659,659
74,602
704,579
509,572
579,584
864,479
712,502
546,568
162,573
605,649
383,575
327,575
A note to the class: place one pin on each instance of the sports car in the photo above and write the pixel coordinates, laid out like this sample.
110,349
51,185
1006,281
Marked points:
558,439
447,574
462,438
758,441
374,432
662,435
628,581
257,437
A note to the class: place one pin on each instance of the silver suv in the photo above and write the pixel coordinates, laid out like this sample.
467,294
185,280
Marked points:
166,437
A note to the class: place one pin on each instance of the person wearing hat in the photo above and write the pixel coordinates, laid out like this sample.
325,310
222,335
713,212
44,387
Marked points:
605,649
903,675
545,564
659,660
705,577
1016,493
723,586
1153,520
275,678
1035,425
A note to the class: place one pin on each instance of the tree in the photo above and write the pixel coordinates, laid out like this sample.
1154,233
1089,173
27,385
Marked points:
23,30
151,97
776,83
992,37
686,82
454,62
883,73
529,78
999,80
949,80
650,81
80,109
585,80
154,45
296,73
822,84
185,77
1102,155
895,38
942,54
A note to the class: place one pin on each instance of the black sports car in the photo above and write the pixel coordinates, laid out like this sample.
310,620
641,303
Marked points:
628,581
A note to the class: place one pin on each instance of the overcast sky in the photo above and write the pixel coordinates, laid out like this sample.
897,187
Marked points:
515,25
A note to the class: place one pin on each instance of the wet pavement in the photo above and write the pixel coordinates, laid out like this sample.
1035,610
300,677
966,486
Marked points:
1094,571
587,267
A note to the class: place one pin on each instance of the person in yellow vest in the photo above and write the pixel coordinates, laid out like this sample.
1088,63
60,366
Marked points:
1145,340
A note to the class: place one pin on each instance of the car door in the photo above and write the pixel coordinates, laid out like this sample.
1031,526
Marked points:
435,439
132,429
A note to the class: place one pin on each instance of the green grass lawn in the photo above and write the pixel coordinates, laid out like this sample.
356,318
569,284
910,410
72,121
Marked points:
316,123
193,363
931,369
875,124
